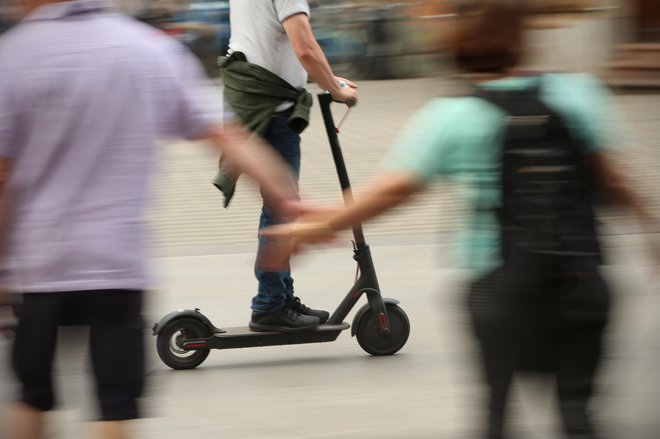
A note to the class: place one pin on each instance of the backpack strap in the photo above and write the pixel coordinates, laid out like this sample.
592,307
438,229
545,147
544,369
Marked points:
524,109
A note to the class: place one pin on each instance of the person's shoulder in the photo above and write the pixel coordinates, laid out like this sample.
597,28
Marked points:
589,108
573,83
572,78
575,94
277,3
286,8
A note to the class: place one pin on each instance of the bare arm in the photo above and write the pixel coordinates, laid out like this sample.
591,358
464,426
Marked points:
383,194
312,58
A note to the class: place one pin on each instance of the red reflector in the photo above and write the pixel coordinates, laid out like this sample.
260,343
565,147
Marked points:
382,319
195,345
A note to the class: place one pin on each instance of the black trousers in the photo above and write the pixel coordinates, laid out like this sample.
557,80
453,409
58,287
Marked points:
551,321
116,346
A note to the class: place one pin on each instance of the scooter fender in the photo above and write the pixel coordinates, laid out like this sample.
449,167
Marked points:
181,313
362,311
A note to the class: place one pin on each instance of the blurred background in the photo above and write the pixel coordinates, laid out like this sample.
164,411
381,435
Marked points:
385,39
202,254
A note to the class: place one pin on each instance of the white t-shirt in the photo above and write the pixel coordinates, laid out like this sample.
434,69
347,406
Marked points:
257,31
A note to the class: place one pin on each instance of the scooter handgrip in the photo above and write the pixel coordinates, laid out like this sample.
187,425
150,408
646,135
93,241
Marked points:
326,96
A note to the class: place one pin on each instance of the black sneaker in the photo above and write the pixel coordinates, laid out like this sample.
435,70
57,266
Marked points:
295,304
284,320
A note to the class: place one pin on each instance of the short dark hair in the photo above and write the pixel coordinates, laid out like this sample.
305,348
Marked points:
488,37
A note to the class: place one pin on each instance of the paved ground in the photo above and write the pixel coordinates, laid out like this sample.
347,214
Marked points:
203,255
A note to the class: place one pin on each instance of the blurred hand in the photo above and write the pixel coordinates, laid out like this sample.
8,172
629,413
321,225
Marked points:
347,93
301,233
341,80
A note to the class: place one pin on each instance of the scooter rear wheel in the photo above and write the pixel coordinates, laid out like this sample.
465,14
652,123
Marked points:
373,342
170,339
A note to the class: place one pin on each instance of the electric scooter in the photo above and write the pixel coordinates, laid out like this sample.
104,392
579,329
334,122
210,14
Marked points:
185,337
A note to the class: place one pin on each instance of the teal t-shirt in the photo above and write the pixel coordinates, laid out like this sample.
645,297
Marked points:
460,138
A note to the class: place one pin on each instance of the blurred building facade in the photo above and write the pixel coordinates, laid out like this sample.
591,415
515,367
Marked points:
136,6
616,39
380,39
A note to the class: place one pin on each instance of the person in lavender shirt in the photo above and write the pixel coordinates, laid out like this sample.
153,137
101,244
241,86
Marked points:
85,93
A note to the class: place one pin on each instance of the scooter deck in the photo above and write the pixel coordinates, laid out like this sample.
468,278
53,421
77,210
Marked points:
243,337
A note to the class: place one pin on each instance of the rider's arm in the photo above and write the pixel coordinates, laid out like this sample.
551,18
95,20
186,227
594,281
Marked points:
311,56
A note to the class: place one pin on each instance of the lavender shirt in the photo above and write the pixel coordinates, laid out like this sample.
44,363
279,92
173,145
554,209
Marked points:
84,96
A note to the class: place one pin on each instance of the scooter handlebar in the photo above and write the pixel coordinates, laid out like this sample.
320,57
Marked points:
326,99
349,103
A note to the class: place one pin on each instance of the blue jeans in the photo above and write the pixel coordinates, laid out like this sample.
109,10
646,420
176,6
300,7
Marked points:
276,287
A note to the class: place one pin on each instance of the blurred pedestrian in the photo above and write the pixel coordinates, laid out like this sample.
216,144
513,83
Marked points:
84,95
534,149
272,51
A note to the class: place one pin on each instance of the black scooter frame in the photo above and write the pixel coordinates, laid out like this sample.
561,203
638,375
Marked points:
367,282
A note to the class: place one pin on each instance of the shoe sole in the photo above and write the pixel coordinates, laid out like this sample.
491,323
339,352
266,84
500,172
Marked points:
256,327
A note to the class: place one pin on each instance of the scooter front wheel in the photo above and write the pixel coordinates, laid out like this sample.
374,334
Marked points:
373,341
170,340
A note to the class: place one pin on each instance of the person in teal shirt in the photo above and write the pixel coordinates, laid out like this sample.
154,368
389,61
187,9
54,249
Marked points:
557,319
460,139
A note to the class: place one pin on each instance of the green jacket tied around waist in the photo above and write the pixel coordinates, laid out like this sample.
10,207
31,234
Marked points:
254,94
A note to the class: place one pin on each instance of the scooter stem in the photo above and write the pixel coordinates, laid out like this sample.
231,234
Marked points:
325,100
368,281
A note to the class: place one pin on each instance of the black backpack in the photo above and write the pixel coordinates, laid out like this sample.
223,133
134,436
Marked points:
547,205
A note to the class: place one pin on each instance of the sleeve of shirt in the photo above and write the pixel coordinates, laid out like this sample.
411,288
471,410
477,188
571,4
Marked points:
192,105
590,109
424,146
288,8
